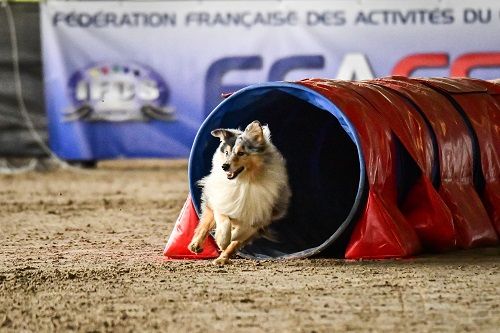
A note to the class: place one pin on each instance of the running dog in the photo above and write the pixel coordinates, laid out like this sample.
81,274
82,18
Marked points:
246,190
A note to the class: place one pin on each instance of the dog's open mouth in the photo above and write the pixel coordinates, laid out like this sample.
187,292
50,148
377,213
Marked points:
234,174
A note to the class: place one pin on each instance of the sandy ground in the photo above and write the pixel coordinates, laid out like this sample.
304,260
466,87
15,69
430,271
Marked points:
82,250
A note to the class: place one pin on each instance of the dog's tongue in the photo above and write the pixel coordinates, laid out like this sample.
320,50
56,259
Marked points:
233,174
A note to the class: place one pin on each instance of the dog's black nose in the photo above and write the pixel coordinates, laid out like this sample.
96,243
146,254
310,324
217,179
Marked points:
225,166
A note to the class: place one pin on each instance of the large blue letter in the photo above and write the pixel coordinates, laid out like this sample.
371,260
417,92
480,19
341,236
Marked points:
281,67
215,73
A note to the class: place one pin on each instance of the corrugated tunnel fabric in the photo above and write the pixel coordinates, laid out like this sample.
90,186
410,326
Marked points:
382,231
455,154
480,110
378,169
416,169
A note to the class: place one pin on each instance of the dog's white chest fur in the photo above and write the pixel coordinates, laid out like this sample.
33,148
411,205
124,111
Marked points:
246,201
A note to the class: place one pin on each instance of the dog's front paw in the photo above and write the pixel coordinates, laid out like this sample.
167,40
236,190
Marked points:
221,261
195,247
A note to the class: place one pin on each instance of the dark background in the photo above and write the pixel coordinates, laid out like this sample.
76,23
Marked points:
15,137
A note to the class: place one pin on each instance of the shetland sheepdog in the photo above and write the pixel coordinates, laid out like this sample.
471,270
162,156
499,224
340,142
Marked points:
246,190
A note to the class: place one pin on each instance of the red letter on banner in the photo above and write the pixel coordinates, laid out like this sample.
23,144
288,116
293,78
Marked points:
411,63
464,64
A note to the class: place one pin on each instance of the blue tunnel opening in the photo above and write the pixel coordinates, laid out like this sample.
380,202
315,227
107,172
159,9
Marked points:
324,161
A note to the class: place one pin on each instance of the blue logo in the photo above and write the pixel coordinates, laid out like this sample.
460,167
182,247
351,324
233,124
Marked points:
118,92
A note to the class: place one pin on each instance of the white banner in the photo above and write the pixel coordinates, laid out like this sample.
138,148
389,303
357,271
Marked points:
144,75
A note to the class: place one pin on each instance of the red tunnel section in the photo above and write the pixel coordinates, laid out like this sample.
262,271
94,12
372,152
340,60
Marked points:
477,101
449,128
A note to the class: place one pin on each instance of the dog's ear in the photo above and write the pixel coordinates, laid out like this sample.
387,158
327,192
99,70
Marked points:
255,133
223,134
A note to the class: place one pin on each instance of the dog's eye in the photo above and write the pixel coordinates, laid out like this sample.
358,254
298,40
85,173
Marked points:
226,152
240,153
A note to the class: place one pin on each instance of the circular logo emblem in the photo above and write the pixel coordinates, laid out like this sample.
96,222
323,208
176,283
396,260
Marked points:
118,92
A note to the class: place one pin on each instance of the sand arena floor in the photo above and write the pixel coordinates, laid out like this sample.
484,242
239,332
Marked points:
82,251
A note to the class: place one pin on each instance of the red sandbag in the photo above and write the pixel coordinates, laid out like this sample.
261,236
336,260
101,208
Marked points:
464,203
430,217
455,159
422,205
382,230
177,245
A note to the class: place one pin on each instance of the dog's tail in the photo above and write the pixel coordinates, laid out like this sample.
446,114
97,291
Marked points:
269,234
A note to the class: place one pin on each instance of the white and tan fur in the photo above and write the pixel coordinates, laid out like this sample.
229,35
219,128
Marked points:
246,190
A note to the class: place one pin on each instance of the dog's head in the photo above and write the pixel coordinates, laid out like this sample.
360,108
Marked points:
242,151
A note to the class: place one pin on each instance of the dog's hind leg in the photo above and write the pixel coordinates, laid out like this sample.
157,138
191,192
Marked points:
201,232
239,236
222,230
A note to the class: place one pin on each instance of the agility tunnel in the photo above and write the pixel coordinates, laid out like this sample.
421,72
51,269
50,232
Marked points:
385,168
